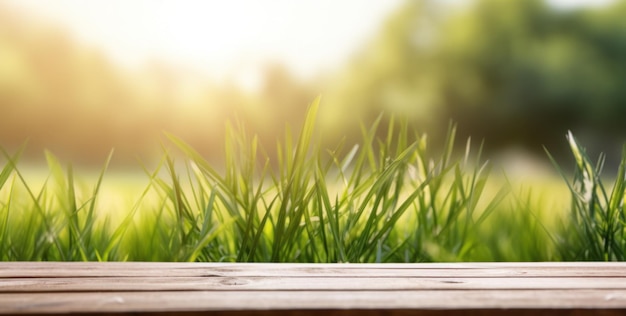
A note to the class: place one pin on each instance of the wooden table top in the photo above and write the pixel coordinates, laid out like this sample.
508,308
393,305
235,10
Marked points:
307,289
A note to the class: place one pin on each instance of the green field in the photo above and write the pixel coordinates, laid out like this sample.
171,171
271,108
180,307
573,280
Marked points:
386,199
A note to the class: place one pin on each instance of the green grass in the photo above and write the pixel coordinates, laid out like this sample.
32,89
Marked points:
597,223
386,199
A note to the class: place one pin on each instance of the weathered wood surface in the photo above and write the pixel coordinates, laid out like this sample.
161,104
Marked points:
304,289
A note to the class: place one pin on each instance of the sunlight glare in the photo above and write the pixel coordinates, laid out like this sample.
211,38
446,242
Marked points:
217,37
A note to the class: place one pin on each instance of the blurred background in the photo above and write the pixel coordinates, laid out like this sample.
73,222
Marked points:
82,77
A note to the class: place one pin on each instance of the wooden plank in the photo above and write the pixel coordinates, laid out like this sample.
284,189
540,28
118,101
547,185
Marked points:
395,289
284,300
147,284
122,269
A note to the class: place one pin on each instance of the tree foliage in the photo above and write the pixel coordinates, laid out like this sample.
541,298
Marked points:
506,71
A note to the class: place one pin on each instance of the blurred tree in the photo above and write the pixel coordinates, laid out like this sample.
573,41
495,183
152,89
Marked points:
516,71
520,71
283,101
64,97
70,99
506,71
393,72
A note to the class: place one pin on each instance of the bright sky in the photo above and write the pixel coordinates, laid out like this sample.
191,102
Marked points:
568,4
221,36
228,36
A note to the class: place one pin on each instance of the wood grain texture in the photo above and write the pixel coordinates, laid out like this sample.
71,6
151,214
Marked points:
302,289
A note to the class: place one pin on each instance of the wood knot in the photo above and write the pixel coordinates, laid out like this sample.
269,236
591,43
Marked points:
230,281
